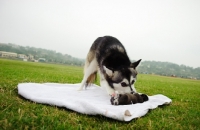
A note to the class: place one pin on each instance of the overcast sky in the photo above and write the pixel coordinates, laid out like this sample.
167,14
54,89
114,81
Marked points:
159,30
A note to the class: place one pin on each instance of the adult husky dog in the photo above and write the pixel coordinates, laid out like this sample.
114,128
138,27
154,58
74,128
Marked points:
108,56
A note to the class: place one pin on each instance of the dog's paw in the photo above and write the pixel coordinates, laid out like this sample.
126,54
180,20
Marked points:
115,99
111,92
80,88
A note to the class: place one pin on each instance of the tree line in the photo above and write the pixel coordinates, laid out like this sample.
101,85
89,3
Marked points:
50,56
146,67
169,69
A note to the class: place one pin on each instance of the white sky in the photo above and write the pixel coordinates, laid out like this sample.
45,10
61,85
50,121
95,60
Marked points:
160,30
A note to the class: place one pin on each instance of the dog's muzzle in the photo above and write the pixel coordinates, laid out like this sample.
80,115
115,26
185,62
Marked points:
132,92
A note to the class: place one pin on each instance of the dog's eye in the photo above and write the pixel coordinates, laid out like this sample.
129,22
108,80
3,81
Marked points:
123,84
133,82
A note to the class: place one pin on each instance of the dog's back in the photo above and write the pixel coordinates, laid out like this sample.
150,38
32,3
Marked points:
109,52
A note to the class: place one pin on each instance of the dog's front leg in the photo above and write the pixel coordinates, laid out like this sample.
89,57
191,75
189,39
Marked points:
82,85
109,90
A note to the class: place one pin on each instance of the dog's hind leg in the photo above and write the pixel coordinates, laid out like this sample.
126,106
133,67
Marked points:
90,70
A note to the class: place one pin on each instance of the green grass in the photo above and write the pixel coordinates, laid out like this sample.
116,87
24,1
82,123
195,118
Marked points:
19,113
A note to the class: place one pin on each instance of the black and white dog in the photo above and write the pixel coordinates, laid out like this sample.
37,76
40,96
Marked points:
108,56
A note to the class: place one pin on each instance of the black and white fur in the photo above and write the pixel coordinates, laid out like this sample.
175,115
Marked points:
108,56
128,98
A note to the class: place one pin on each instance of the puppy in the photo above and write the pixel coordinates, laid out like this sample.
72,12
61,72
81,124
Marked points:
126,99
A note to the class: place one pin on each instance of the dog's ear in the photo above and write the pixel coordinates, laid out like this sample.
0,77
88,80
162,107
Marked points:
109,72
135,64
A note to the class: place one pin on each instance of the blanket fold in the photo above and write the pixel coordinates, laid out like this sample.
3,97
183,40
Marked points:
93,101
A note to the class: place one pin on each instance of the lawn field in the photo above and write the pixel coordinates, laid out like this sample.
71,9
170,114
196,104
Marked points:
19,113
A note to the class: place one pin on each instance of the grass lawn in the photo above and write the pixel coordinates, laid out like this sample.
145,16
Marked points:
18,113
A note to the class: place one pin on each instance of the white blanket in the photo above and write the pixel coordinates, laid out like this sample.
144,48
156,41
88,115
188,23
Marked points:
92,101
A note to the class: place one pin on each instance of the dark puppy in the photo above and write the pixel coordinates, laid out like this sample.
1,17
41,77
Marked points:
126,99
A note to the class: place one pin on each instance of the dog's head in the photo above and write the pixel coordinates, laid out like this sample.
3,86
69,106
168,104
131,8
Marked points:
123,79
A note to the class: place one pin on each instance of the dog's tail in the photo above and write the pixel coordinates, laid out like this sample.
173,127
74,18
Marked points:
91,79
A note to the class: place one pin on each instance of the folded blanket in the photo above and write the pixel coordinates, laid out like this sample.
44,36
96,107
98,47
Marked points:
92,101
